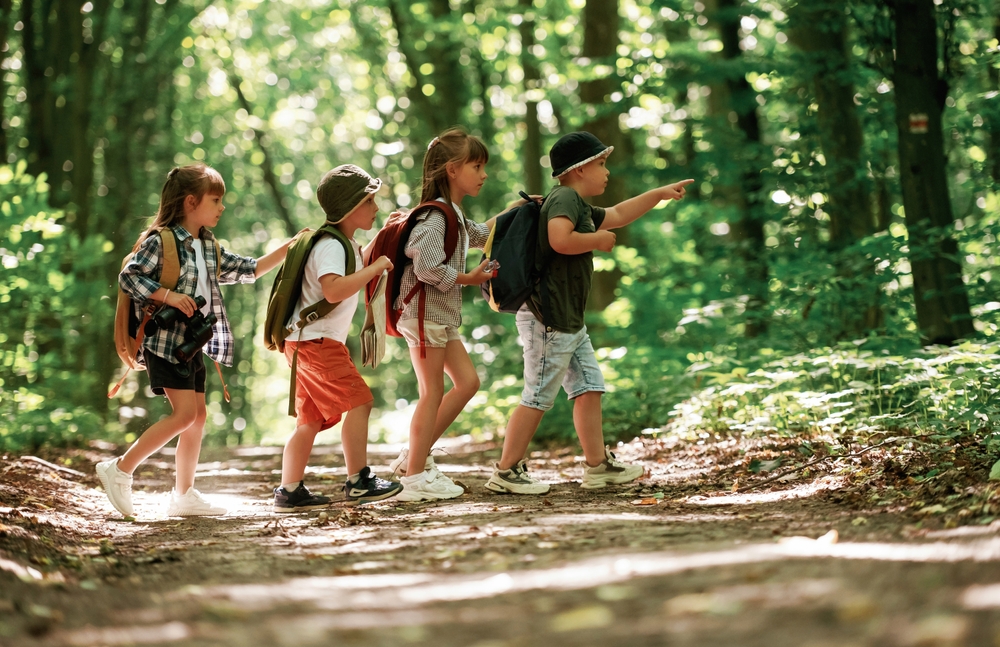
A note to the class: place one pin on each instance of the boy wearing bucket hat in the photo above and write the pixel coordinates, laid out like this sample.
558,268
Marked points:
557,348
327,383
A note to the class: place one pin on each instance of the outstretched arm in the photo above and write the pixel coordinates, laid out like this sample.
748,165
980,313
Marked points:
634,208
272,259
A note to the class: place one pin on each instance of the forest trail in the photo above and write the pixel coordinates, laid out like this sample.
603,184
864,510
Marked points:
700,566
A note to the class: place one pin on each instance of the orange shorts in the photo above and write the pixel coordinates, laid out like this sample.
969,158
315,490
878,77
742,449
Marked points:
327,384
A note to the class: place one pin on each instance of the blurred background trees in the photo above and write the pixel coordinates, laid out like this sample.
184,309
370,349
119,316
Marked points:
845,157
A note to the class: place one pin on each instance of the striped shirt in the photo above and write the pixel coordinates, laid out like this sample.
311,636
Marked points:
139,280
426,248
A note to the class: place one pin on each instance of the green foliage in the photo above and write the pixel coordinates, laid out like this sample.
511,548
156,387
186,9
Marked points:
370,83
41,306
946,394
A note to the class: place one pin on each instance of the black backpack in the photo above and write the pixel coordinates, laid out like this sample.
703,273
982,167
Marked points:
513,243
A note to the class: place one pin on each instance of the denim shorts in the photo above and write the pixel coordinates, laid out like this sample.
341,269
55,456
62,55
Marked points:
552,358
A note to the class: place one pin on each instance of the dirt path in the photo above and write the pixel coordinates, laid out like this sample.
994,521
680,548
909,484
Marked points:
699,566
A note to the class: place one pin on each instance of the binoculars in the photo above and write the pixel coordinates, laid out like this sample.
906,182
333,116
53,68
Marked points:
197,331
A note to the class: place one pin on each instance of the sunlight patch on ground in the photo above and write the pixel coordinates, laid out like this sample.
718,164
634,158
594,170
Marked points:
138,635
752,498
411,590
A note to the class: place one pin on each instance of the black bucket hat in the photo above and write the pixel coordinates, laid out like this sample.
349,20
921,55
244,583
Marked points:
574,150
343,189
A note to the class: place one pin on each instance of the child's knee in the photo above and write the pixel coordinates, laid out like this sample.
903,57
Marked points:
469,386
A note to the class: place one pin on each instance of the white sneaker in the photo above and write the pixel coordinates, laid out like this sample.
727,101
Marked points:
426,486
610,471
398,466
515,480
117,485
192,504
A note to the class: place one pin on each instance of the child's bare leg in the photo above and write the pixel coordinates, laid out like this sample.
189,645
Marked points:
354,438
295,457
430,379
185,411
589,426
465,382
189,448
520,430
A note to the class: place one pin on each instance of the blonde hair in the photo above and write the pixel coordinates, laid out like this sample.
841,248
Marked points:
194,179
453,146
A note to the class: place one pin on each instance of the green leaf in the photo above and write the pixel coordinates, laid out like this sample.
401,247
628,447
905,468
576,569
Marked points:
995,472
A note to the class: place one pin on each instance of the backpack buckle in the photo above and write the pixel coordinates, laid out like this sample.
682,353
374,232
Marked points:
311,317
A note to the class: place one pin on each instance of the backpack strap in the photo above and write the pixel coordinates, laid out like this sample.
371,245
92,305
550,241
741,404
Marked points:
169,274
450,244
319,309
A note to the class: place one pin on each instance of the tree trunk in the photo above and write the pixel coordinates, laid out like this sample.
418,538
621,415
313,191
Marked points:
532,149
942,305
600,41
6,8
820,31
748,231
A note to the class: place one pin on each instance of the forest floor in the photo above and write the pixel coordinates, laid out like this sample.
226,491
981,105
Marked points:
678,558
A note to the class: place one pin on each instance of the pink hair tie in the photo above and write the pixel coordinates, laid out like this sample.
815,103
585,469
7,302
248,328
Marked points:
433,142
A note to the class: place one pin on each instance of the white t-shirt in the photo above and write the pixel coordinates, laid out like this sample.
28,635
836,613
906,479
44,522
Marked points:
327,257
204,288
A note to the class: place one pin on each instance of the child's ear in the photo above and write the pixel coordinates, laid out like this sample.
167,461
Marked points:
190,202
451,170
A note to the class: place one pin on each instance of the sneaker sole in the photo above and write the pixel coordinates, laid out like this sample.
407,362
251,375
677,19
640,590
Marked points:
196,514
503,489
301,508
604,482
427,497
102,476
378,497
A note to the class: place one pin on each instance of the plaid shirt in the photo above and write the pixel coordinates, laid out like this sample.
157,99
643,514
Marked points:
139,280
426,248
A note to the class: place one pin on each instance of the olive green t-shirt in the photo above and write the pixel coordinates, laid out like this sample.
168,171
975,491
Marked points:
567,276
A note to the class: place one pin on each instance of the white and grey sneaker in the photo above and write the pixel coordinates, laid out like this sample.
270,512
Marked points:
515,480
117,485
427,486
398,466
192,504
611,471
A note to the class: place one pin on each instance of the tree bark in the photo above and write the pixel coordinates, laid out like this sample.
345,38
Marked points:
600,41
942,304
820,31
748,230
6,9
532,149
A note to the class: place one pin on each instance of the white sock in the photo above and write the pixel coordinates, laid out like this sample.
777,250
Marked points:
290,487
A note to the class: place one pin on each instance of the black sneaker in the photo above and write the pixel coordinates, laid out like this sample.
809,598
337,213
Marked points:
369,487
298,500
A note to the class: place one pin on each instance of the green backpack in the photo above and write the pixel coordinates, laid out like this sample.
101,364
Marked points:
287,289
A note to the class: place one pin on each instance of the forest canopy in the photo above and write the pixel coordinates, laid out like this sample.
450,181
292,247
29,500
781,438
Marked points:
846,157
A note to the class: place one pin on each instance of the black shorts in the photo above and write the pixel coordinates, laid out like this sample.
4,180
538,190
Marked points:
167,375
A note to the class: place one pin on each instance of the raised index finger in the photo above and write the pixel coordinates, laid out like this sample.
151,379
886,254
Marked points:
683,183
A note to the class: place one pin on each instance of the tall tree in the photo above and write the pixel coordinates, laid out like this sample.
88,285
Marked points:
748,230
532,149
600,41
942,304
819,30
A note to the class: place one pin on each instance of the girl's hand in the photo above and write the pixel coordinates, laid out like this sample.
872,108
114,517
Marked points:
605,240
676,190
182,302
477,276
